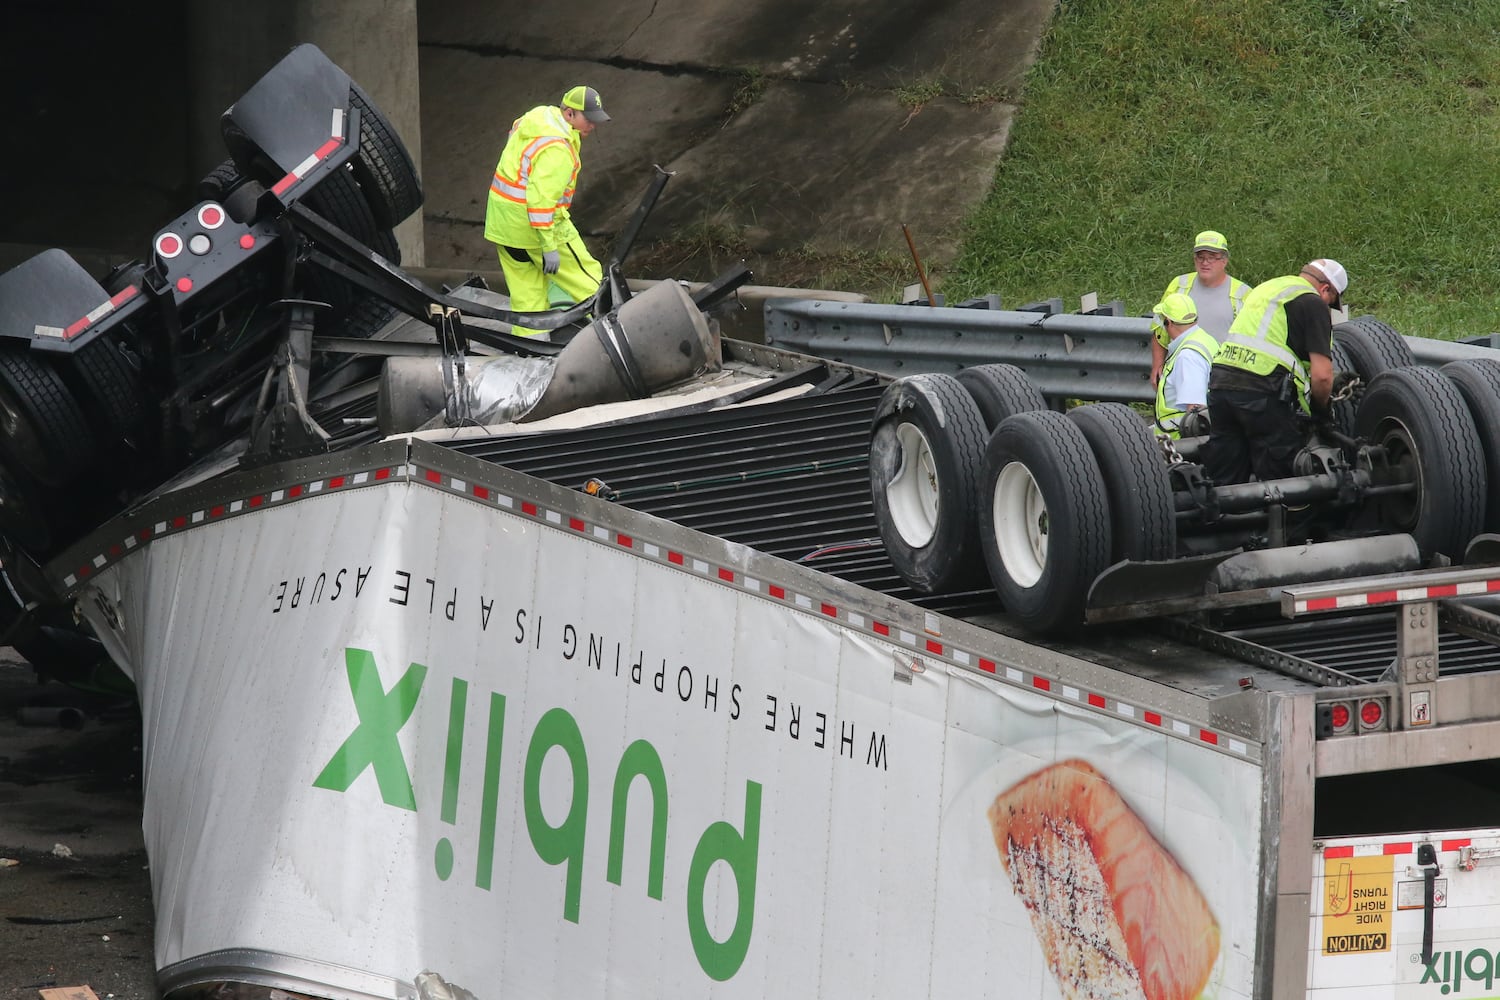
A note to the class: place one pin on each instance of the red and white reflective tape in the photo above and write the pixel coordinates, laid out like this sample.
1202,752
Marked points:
1401,595
1394,847
251,503
318,156
73,329
923,644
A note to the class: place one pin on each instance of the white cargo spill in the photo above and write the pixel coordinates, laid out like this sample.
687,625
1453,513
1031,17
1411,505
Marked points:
397,721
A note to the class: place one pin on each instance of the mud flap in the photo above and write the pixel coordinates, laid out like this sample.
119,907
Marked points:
1135,589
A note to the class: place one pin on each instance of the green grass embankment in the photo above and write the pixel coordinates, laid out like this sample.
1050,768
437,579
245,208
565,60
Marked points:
1364,130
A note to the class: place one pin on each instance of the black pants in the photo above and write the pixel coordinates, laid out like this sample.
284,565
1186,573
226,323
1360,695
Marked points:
1253,432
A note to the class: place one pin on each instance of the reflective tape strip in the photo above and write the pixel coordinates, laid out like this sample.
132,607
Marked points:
1261,342
507,190
1395,847
1400,595
515,190
121,297
926,643
318,155
1283,356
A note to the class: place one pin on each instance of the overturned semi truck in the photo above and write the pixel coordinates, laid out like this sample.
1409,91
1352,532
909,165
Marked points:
637,699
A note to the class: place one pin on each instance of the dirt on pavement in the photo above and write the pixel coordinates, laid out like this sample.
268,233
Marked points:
75,892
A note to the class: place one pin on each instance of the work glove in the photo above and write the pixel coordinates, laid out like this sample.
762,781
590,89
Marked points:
550,262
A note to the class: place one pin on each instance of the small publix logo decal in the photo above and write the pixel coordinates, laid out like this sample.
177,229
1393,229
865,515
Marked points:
1449,968
373,746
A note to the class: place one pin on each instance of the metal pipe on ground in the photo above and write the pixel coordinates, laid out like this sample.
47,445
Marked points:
61,716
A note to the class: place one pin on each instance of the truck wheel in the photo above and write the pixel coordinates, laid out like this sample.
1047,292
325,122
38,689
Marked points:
43,435
1344,409
110,390
1044,523
226,185
924,449
1418,418
44,447
219,182
1478,382
383,167
339,200
368,317
999,391
1373,346
123,275
1143,522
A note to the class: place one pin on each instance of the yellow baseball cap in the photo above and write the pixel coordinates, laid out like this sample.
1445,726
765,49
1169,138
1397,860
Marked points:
586,99
1211,240
1177,307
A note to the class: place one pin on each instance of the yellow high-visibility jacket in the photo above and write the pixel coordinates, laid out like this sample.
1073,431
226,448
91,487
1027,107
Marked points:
534,182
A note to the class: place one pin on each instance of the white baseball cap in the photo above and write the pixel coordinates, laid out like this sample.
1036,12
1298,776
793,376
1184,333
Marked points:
1332,272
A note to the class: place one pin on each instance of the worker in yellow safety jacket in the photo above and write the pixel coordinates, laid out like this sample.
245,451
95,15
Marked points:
530,196
1218,295
1183,388
1273,366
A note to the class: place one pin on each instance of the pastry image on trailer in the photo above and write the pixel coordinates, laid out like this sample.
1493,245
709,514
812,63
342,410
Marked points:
1114,912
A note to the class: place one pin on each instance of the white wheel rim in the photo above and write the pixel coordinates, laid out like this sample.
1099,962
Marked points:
912,493
1019,516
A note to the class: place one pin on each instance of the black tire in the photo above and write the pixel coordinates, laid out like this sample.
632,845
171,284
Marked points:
383,166
110,389
999,391
924,450
1044,519
43,434
1372,346
1344,409
220,182
45,448
367,317
1143,522
123,275
1478,382
1429,438
238,194
338,199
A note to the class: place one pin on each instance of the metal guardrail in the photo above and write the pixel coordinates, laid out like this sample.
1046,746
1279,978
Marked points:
1095,356
1067,355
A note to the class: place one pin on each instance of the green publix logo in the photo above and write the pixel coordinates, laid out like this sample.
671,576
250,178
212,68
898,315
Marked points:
1450,967
373,745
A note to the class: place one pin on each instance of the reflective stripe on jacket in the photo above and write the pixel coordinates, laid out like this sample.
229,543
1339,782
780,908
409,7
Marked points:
1201,343
532,188
1257,339
1237,289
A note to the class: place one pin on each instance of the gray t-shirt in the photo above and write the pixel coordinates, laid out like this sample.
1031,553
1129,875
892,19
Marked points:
1215,311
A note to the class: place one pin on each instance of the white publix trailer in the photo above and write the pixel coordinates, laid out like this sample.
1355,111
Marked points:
661,697
423,715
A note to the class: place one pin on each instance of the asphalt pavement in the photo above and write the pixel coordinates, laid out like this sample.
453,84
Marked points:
75,892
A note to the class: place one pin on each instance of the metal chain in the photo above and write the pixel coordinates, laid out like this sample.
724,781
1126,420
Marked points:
1347,391
1168,449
